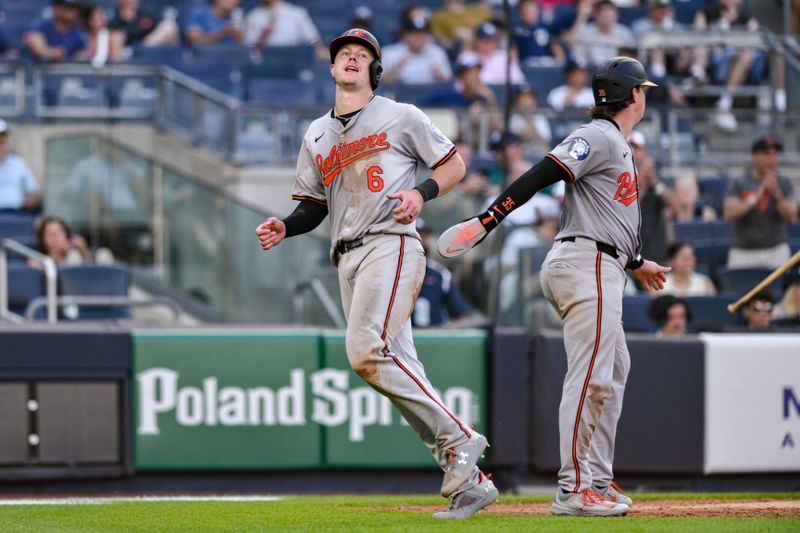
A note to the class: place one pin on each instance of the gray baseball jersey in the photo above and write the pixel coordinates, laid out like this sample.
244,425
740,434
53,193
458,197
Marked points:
603,207
352,168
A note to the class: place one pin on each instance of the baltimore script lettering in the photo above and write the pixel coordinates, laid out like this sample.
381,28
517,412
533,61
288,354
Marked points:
342,155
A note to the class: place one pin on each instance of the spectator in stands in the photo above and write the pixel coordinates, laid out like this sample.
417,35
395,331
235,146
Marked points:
762,205
56,241
19,190
575,93
527,123
439,300
757,312
59,38
416,59
279,23
601,40
672,314
475,183
362,18
469,92
219,23
787,313
727,65
661,17
141,26
492,57
532,36
655,199
683,280
688,206
7,51
102,45
455,23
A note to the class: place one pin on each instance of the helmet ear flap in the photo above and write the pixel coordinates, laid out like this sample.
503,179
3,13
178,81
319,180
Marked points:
375,72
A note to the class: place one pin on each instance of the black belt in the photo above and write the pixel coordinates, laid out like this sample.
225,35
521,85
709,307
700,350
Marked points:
601,246
345,246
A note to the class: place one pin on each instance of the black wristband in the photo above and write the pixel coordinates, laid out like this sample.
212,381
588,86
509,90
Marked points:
429,189
636,262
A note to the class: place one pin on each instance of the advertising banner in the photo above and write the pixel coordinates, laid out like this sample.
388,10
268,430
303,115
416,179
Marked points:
229,400
752,403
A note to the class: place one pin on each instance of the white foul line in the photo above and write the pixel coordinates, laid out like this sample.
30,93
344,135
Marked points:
134,499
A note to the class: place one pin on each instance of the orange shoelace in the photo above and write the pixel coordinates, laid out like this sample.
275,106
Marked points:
616,488
592,497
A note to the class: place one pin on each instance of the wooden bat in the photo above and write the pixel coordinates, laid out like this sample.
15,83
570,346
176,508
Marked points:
778,272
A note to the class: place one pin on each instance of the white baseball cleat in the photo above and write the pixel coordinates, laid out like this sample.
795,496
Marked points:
614,494
461,238
459,463
479,493
585,503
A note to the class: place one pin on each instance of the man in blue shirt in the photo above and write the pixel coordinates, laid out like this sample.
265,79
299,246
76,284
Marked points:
439,300
534,39
19,190
59,38
217,24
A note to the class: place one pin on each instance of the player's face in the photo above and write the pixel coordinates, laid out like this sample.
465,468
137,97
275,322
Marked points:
640,101
351,66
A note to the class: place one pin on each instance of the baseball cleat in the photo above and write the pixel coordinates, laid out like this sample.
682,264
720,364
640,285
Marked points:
480,492
614,494
586,503
460,463
461,238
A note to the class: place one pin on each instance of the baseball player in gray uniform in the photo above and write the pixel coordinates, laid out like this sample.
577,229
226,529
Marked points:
358,163
583,276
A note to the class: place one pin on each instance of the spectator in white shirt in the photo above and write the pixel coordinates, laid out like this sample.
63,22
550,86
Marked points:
416,59
279,23
575,93
490,53
601,40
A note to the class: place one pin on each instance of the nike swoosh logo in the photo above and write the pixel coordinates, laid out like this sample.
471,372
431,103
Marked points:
452,250
320,136
624,154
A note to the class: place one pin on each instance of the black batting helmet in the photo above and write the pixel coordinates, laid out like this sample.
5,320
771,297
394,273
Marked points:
613,81
364,38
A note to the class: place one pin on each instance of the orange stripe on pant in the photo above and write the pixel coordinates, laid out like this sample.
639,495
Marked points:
598,262
387,353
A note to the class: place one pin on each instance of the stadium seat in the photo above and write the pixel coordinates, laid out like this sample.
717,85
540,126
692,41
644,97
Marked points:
543,79
698,230
712,253
741,280
280,93
416,94
24,284
13,225
95,280
635,316
710,313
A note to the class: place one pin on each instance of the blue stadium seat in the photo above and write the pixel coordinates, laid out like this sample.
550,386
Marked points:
544,80
159,55
24,284
710,313
741,280
686,9
698,230
635,317
627,15
794,231
280,92
95,280
13,225
416,94
712,191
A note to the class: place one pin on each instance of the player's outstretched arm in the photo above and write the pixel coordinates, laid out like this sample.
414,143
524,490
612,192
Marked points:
651,275
271,233
307,215
462,237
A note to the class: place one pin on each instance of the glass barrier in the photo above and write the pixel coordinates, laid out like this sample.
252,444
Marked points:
189,235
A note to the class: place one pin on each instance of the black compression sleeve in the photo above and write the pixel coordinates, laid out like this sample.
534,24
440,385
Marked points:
306,216
546,172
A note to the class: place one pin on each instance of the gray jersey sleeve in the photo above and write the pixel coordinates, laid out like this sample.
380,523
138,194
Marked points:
422,140
582,153
308,182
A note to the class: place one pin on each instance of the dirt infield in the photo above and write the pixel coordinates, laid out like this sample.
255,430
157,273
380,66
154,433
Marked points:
763,508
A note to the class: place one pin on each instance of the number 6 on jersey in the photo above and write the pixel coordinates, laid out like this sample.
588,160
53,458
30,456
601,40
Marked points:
374,180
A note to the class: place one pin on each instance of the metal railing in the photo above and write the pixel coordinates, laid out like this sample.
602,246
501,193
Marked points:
101,301
317,289
50,275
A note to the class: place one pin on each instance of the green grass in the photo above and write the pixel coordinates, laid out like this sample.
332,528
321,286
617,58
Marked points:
353,513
